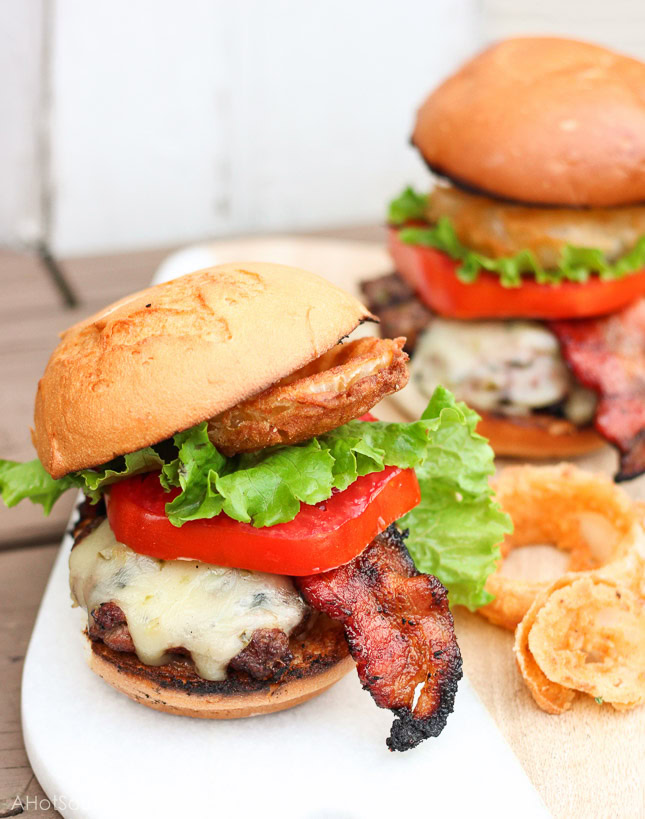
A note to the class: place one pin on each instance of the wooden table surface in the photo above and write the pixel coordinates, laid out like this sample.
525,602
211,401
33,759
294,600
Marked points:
32,312
606,775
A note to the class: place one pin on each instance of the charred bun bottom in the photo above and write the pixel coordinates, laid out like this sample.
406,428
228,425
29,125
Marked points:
320,658
537,436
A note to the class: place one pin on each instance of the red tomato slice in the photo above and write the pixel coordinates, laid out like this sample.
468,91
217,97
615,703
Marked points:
433,275
320,537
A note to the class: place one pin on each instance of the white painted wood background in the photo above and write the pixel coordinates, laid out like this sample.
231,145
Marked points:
164,121
619,24
134,123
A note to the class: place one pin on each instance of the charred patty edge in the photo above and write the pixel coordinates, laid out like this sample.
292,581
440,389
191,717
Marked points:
315,652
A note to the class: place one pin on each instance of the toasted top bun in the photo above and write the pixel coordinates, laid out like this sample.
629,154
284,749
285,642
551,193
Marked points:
174,355
541,120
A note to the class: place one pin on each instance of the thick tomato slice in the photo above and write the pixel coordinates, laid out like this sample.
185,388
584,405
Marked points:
320,537
433,275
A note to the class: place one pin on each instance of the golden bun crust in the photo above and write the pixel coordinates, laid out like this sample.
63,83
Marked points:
174,355
320,660
542,120
537,436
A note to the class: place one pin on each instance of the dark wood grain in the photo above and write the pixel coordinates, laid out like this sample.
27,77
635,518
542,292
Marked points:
99,280
25,287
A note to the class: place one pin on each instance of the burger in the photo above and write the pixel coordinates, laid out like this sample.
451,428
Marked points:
249,532
520,275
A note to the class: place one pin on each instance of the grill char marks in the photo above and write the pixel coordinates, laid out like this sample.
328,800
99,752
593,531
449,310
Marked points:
108,623
323,647
266,657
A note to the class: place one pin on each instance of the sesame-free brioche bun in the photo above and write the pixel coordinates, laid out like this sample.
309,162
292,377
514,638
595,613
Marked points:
174,355
537,436
541,120
320,659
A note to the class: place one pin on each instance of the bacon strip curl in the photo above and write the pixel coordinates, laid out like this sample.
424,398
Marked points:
608,356
400,633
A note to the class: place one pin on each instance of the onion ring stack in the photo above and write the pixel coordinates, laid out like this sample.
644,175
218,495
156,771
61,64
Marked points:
584,632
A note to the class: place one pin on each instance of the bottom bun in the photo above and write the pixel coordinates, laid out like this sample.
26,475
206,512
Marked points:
537,436
320,658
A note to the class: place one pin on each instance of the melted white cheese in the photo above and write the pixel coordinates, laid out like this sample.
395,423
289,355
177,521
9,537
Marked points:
506,367
209,610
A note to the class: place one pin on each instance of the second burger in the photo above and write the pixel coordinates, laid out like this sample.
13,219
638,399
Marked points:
520,276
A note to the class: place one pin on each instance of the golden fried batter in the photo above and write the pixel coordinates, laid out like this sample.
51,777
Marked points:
341,385
590,636
499,228
583,514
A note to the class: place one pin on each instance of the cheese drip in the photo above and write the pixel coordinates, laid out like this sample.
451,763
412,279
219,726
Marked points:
209,610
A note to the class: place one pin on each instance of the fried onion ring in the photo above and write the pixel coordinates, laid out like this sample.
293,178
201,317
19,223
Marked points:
343,384
590,636
586,633
581,513
549,696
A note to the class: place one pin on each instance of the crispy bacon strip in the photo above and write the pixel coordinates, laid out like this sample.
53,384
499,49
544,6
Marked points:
608,356
400,633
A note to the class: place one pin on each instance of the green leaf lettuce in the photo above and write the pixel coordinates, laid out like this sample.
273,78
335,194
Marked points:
20,481
456,529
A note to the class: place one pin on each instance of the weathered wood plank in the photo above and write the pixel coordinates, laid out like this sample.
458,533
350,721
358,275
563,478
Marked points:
99,280
31,314
26,288
23,574
31,317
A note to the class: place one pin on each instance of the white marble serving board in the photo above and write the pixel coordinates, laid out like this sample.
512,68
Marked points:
101,756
